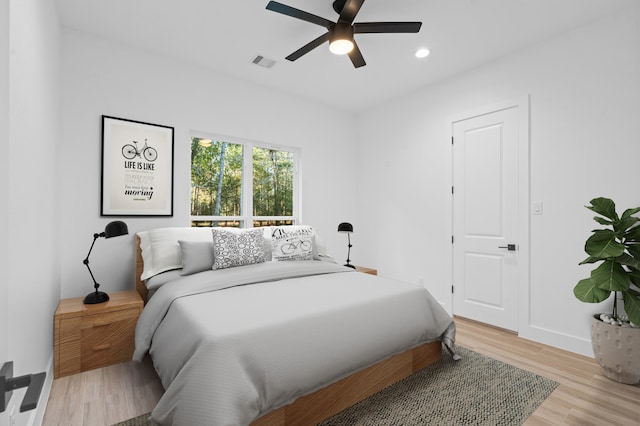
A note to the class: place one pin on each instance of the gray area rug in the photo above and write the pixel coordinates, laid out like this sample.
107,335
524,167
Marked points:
477,390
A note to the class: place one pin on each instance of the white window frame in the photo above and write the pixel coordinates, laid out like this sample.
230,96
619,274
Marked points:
246,207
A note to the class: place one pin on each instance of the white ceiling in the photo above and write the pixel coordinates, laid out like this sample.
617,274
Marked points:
226,35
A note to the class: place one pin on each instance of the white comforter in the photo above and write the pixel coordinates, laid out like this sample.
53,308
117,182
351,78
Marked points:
228,352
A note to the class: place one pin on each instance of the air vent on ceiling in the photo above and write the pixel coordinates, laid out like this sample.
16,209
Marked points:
263,62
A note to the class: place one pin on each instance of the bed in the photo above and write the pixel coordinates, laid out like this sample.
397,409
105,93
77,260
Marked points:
273,332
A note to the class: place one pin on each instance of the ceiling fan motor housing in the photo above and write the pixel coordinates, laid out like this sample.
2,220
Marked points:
341,30
341,39
338,5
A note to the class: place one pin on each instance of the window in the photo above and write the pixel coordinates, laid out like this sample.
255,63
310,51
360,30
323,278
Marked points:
242,184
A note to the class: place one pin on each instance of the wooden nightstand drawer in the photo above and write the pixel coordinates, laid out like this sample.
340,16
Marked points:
92,336
107,339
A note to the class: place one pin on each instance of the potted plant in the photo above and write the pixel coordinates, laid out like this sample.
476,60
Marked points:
615,337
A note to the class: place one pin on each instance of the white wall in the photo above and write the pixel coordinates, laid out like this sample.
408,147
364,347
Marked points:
4,183
32,237
584,89
100,77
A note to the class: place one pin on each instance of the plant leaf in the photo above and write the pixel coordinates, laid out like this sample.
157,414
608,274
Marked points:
633,234
603,245
634,275
587,291
628,260
589,259
605,207
630,212
603,221
610,276
634,250
632,306
625,223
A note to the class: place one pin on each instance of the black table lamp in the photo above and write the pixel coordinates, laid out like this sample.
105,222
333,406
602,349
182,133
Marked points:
113,229
348,228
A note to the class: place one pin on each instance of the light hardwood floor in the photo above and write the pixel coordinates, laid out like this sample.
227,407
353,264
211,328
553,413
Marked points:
584,397
103,396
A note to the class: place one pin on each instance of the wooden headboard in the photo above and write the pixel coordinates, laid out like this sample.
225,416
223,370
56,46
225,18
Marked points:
141,288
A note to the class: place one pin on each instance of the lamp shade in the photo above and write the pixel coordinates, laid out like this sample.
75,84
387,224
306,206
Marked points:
115,229
345,227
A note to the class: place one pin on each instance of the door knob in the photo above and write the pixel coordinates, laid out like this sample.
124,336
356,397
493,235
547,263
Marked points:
8,383
510,247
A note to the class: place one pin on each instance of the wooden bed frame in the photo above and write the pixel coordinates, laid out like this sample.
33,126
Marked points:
324,403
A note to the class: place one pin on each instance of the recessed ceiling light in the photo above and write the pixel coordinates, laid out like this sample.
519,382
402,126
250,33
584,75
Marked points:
263,62
422,53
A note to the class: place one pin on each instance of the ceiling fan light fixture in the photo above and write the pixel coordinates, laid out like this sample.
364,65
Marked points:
422,52
341,39
341,46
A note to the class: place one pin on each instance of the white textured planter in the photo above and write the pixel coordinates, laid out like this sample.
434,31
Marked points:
617,350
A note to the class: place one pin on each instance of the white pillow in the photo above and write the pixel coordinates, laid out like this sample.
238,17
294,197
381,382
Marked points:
237,247
292,242
161,250
319,248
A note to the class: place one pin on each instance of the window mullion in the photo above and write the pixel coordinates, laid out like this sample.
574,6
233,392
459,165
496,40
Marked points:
297,178
247,184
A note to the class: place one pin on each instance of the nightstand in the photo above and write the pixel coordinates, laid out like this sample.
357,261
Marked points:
366,270
93,336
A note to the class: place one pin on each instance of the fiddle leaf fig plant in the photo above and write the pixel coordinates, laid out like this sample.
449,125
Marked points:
617,250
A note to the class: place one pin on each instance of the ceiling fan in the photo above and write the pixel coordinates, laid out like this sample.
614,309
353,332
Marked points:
340,33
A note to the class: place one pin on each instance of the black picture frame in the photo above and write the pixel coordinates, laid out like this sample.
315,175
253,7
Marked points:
137,168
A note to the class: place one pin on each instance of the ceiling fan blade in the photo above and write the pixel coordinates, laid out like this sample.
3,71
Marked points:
308,47
300,14
350,10
386,27
356,56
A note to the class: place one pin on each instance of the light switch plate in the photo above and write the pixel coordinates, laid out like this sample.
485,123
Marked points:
537,208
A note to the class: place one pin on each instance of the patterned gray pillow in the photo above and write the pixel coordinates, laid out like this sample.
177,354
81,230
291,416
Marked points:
237,247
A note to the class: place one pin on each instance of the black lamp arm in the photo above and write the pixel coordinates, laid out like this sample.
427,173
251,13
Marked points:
86,260
95,237
349,251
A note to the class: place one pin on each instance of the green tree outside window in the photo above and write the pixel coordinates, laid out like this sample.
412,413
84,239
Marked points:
217,181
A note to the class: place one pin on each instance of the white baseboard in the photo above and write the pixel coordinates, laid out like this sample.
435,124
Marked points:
553,338
558,340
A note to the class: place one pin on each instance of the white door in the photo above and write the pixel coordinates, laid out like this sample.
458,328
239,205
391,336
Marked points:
485,218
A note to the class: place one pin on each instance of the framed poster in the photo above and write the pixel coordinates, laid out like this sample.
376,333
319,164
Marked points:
137,168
